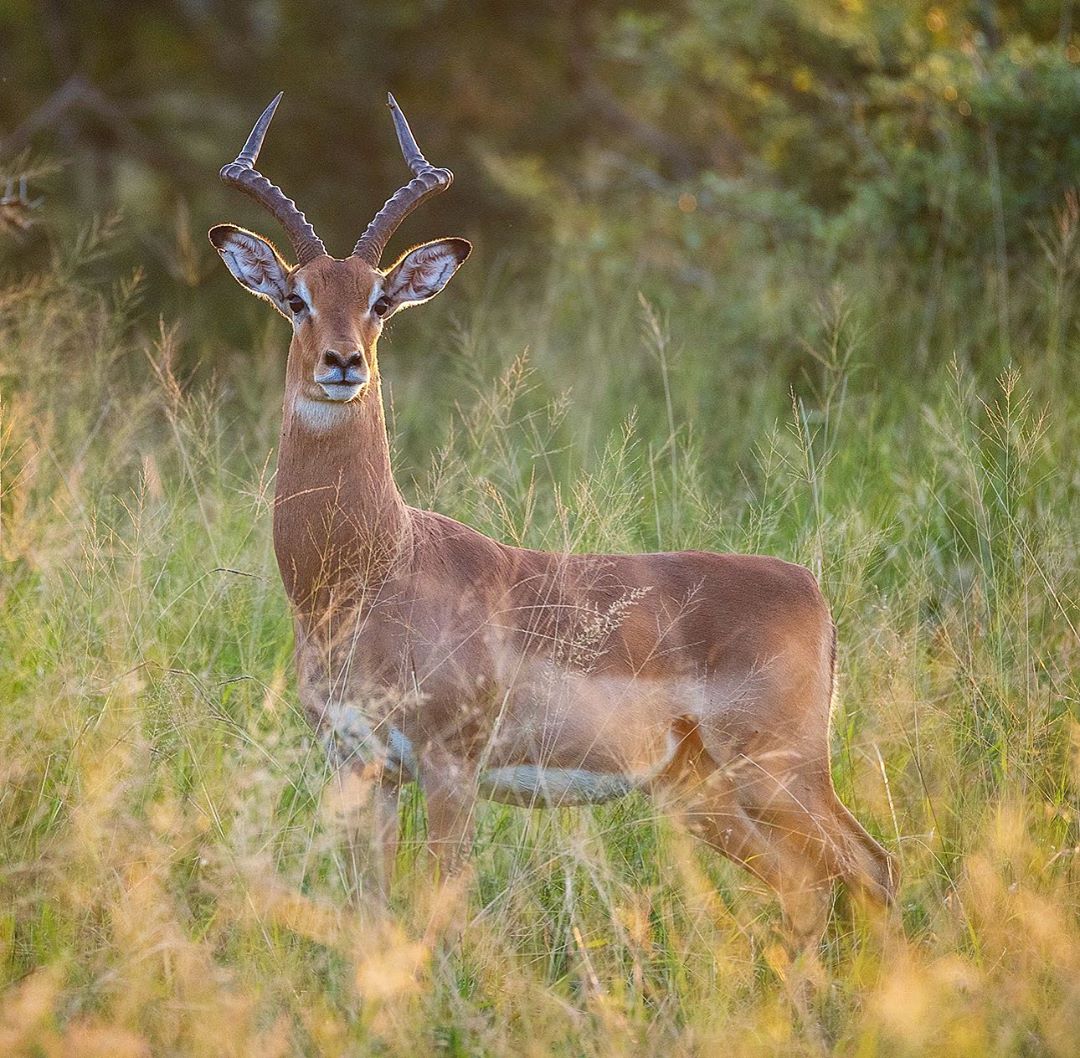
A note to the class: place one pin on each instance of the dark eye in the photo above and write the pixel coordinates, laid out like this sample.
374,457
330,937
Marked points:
296,303
381,307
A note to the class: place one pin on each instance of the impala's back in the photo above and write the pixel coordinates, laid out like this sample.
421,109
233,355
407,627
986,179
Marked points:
593,661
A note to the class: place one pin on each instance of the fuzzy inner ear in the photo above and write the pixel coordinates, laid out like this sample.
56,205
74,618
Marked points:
422,272
254,263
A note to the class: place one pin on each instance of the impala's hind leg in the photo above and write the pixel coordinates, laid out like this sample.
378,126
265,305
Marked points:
711,805
801,883
872,873
799,810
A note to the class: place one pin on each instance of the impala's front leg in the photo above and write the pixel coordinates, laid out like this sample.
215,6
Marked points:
449,786
369,806
369,775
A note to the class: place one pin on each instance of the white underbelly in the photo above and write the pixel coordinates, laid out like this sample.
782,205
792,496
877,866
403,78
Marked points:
350,739
531,785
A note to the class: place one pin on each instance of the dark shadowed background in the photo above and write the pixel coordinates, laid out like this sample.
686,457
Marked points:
667,140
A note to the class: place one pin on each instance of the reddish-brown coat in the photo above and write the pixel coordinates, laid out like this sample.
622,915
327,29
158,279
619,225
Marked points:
486,655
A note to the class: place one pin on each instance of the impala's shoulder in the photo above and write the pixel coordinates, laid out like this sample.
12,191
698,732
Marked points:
453,544
436,527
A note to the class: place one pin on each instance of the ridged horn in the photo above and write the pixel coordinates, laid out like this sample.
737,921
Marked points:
243,175
427,181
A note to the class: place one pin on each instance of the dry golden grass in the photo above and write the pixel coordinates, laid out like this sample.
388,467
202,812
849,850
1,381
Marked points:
171,878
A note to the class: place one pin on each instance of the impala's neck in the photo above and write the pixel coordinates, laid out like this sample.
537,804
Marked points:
340,522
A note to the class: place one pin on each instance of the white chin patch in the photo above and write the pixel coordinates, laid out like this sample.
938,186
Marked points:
340,393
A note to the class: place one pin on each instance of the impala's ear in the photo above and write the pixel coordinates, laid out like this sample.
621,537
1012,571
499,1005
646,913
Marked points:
422,272
254,263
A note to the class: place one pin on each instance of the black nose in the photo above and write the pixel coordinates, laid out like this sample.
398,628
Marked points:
342,360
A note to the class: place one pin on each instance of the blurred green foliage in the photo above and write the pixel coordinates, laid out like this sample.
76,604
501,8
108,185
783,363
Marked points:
667,141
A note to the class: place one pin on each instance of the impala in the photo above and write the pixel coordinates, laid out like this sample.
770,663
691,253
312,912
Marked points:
428,652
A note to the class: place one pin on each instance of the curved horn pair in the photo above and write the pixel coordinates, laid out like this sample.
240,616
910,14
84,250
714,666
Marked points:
427,181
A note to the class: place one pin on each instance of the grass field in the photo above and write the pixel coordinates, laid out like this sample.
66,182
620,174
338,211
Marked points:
171,880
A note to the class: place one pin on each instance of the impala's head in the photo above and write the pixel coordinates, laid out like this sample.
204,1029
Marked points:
337,307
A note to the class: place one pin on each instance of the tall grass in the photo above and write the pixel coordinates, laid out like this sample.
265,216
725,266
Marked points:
171,877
